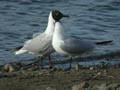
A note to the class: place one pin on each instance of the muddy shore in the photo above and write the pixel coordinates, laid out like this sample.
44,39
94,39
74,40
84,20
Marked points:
59,79
17,76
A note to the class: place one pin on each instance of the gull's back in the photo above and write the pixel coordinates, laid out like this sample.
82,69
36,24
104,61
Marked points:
75,45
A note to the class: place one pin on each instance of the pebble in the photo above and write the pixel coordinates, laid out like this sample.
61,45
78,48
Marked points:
8,68
85,86
91,68
80,86
113,86
102,87
118,88
98,74
77,67
49,88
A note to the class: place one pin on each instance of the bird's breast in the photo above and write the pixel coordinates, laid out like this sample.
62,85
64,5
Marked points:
57,46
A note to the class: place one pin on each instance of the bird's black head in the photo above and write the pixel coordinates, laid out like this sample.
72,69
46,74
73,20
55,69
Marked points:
57,15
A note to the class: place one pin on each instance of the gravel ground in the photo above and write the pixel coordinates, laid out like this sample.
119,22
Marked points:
59,79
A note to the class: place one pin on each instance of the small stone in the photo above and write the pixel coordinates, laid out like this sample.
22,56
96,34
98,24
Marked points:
11,69
118,88
91,68
80,86
49,88
113,86
8,68
102,87
99,73
77,67
105,72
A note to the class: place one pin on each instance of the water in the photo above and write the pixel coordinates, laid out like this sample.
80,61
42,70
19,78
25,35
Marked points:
90,19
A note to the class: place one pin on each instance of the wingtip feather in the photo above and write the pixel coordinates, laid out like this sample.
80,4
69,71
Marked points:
21,51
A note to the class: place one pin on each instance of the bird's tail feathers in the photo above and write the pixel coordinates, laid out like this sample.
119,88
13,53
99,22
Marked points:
14,49
104,42
21,51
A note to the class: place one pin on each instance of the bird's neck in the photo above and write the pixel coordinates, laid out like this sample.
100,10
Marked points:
59,33
50,26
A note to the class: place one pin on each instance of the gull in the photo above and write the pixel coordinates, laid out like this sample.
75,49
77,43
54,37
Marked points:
71,45
41,44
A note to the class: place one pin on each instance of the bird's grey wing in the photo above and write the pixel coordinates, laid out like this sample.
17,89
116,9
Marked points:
39,44
49,49
75,45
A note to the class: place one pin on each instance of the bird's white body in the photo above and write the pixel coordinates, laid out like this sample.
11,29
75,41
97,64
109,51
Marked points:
42,43
58,39
69,45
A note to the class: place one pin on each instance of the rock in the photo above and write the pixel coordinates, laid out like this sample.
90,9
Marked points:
91,68
80,86
102,87
77,67
95,87
118,88
113,86
11,67
49,88
98,74
104,72
8,68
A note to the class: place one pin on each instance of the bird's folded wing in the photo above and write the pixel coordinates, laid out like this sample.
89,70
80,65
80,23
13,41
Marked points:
76,46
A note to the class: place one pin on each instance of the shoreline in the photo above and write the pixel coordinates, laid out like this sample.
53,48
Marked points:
18,76
61,79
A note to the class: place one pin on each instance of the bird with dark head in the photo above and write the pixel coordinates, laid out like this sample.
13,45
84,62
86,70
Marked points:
57,15
41,44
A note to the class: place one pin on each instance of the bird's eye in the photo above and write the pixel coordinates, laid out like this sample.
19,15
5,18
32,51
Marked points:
57,14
